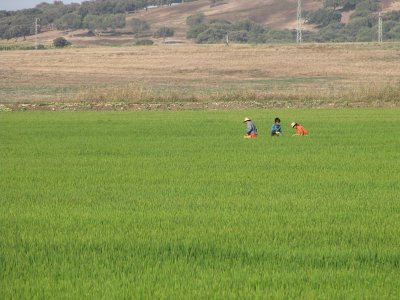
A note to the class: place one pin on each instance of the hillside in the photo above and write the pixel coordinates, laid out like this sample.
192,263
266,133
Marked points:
273,13
278,14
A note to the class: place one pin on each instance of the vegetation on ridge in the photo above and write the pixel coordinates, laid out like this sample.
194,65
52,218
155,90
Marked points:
111,15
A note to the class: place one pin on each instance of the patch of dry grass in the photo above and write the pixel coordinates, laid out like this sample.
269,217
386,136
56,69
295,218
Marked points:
201,73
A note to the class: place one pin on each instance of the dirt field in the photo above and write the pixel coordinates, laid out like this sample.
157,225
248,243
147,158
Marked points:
202,73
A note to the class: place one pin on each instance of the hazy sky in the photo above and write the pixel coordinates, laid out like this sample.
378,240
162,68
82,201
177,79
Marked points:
20,4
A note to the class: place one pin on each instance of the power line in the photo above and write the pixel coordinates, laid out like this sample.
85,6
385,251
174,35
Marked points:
299,23
380,29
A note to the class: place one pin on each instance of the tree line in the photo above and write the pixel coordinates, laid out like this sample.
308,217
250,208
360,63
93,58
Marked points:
111,14
98,14
361,27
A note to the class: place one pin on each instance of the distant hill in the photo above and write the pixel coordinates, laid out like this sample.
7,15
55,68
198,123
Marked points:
275,14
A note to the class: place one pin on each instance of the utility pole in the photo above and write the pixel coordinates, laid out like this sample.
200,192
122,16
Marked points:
299,23
380,29
36,32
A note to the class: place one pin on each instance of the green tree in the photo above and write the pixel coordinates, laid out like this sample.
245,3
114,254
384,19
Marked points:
104,22
323,17
91,22
69,21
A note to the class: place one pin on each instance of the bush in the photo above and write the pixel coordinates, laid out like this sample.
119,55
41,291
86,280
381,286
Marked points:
388,25
394,16
239,36
371,5
393,34
331,33
220,24
279,36
103,22
323,17
69,21
195,20
367,34
138,26
164,32
212,35
355,25
257,38
245,24
194,31
61,42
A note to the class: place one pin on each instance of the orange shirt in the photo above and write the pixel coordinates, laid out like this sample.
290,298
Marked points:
301,130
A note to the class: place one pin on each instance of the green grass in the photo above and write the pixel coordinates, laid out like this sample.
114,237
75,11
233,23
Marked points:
179,205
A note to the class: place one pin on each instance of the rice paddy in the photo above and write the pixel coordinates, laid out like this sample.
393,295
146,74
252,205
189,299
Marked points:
178,205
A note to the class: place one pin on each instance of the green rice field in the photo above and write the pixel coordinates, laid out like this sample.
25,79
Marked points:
177,205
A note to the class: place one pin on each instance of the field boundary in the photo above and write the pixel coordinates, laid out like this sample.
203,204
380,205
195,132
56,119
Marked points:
176,106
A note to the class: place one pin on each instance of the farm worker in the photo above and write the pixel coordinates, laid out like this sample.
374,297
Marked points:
300,130
251,130
276,128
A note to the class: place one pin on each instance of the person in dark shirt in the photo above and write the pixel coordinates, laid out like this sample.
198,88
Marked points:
276,128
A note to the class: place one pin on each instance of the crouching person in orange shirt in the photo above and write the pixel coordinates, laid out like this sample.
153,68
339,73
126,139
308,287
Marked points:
300,130
251,130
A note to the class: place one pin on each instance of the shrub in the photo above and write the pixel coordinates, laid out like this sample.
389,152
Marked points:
323,17
61,42
104,22
164,32
69,21
331,33
371,5
195,19
355,25
212,35
367,34
139,26
194,31
239,36
245,24
393,34
220,24
279,36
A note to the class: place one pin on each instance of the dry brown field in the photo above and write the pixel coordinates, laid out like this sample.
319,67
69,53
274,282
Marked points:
270,74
